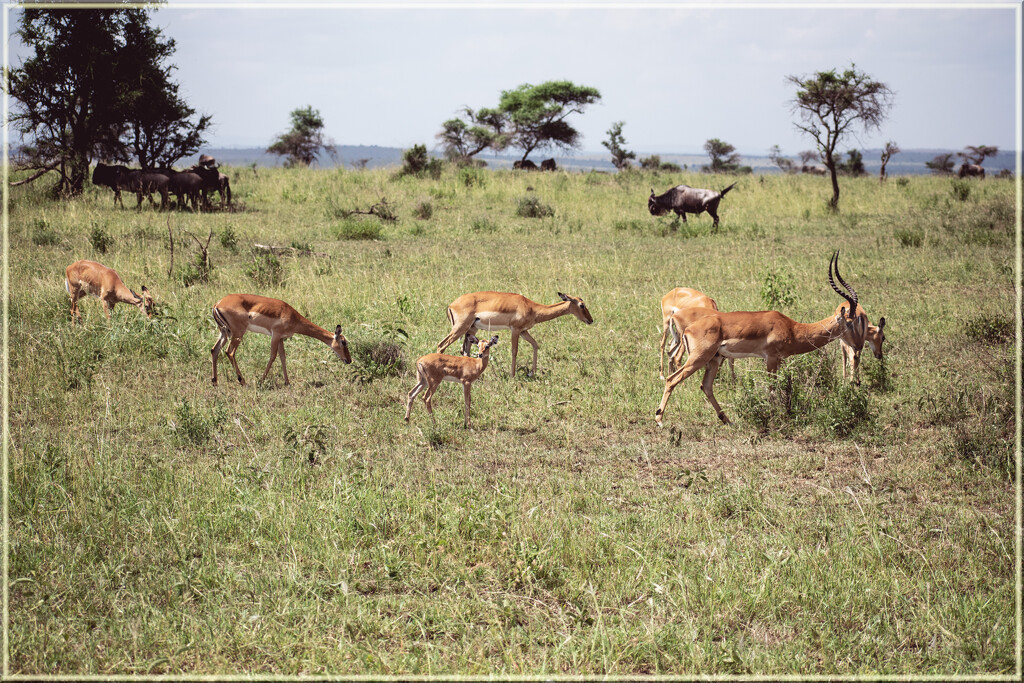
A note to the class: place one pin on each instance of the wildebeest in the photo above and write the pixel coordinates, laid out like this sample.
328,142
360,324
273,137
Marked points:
187,185
524,165
965,170
213,180
813,170
684,199
548,165
109,176
146,182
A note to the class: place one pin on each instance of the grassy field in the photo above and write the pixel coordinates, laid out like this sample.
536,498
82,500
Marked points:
162,525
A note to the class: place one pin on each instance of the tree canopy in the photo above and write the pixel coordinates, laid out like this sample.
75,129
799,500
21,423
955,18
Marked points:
977,155
463,139
616,145
97,86
302,144
537,114
724,157
832,104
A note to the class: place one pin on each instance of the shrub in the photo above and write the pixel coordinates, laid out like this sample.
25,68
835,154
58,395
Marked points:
531,207
43,235
483,224
193,425
777,289
990,329
423,211
99,239
909,238
307,440
382,357
354,229
418,163
961,190
470,177
229,240
266,269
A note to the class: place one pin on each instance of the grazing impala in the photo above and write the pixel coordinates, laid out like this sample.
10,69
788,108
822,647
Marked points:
678,299
237,314
503,311
88,277
709,336
863,332
435,368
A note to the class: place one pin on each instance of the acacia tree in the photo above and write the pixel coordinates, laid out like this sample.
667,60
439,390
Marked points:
941,164
832,104
537,114
724,158
464,138
977,155
302,144
94,76
891,148
616,145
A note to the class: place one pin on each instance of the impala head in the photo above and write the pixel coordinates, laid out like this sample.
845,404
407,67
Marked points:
144,302
577,308
485,345
876,337
654,207
340,345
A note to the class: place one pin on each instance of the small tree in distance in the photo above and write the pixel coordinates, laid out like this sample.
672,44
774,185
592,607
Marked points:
302,144
537,114
831,103
615,144
724,158
942,164
891,148
462,139
785,164
977,155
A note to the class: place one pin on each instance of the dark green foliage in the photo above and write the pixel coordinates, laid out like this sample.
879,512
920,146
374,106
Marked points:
417,162
194,425
724,157
654,163
537,114
777,289
423,211
43,235
99,239
941,164
354,229
472,177
266,269
616,145
989,329
302,144
961,190
382,357
531,207
854,164
229,240
878,377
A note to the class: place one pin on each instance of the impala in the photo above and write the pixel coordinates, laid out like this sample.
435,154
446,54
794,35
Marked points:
237,314
435,368
88,277
676,300
709,336
852,344
503,311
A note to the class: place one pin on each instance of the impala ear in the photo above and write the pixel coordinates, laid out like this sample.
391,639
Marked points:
881,322
563,297
144,288
494,340
337,331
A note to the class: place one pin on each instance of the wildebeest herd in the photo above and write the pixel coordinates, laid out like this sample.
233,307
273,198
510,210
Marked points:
698,329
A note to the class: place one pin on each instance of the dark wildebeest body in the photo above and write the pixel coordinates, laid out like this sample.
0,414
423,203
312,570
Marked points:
965,170
684,199
213,181
814,170
524,165
548,165
187,185
146,183
110,176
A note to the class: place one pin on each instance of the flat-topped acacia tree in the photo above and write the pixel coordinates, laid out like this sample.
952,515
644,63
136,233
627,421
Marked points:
832,104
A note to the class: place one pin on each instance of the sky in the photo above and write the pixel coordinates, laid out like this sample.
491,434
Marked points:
676,73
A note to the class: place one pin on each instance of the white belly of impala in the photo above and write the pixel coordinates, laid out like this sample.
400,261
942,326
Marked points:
488,323
253,327
449,378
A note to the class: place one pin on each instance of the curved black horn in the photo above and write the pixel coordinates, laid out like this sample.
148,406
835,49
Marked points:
852,301
843,282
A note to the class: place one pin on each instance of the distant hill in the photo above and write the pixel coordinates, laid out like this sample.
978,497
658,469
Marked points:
908,162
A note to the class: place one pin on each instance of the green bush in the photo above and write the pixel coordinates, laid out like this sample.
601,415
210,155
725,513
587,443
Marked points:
417,162
531,207
99,239
195,426
229,240
266,269
990,329
423,211
961,190
777,289
354,229
472,177
43,235
909,238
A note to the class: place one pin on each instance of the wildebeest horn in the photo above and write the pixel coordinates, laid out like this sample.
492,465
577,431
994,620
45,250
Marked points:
853,300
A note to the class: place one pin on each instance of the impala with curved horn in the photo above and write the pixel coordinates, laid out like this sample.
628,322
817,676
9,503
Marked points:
504,311
862,331
237,314
710,336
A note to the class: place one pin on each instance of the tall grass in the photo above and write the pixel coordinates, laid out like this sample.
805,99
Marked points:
161,525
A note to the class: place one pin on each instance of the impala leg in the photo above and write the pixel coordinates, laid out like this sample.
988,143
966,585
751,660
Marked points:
661,349
284,369
459,328
275,344
421,383
515,350
855,372
529,338
695,362
215,352
465,390
428,399
230,353
708,386
467,346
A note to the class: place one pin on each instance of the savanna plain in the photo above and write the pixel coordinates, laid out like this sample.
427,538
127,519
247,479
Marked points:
163,525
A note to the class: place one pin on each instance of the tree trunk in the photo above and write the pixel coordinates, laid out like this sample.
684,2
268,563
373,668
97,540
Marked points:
830,163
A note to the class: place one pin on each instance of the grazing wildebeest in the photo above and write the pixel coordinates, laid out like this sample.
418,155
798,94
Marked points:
548,165
213,180
185,185
109,176
966,170
813,170
524,165
684,199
